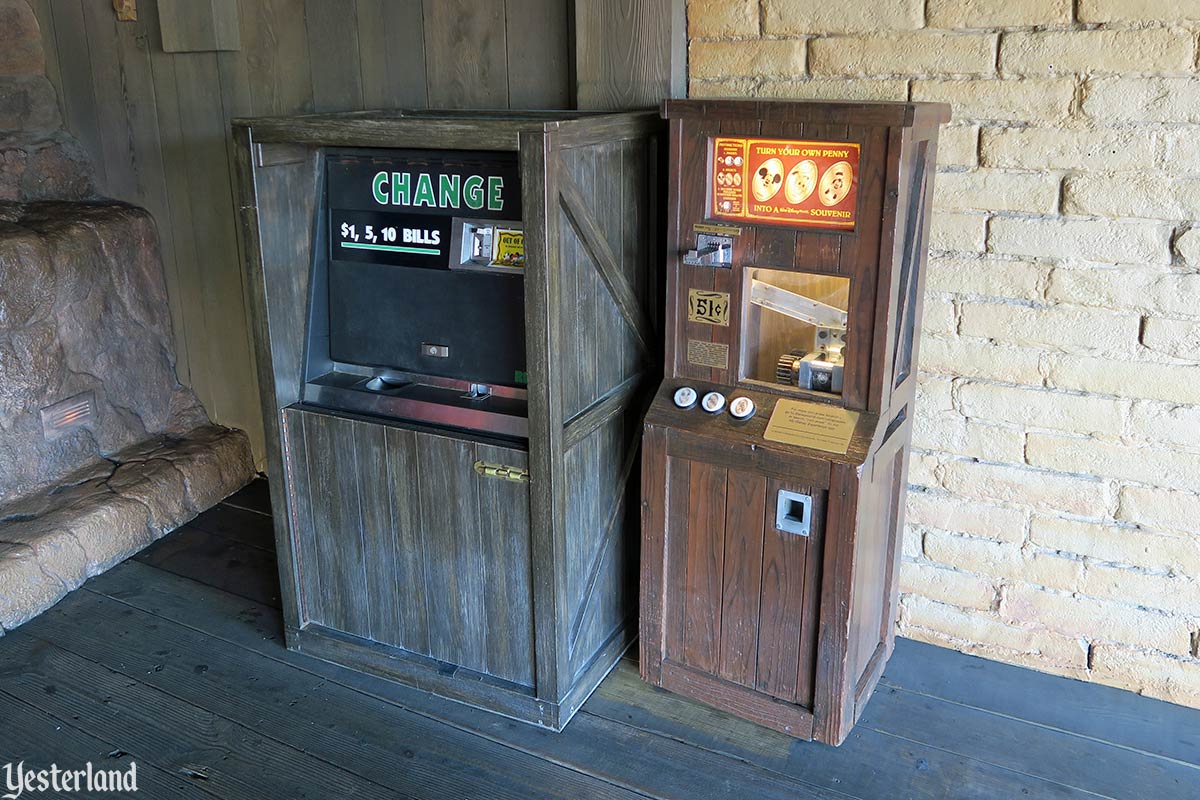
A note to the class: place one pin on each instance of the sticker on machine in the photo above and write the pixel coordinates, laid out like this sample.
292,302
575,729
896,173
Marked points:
801,184
708,354
817,426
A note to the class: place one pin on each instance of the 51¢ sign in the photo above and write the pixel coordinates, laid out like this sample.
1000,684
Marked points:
708,307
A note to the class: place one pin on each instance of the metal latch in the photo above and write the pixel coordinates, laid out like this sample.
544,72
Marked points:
502,471
711,251
435,350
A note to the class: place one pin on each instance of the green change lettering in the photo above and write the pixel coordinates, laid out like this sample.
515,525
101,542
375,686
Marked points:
450,191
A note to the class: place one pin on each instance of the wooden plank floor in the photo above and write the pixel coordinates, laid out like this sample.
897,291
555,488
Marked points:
175,660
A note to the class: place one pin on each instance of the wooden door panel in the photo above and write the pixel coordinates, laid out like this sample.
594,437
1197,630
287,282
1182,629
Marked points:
741,596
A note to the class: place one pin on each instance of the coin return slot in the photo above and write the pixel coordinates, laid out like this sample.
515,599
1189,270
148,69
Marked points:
381,384
793,512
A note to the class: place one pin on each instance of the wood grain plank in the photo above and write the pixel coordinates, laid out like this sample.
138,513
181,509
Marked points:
652,593
454,565
332,27
622,758
781,603
44,738
628,54
77,91
376,495
409,592
234,760
465,56
391,45
275,41
312,712
508,584
743,568
337,523
705,567
300,532
538,57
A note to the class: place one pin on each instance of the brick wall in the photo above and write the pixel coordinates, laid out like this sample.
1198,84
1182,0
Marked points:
1054,516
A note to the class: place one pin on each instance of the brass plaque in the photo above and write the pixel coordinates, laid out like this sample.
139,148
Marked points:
711,308
718,230
708,354
814,425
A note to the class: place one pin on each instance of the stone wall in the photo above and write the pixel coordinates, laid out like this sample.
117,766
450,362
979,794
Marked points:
38,160
1054,516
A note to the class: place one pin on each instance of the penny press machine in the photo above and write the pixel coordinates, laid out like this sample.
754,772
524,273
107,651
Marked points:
454,333
775,453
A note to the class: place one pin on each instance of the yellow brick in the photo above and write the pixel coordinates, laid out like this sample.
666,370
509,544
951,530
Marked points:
961,232
1188,248
807,16
716,18
947,585
912,542
1001,560
801,89
1170,593
1065,148
958,515
1170,382
974,358
1085,497
1165,422
1158,466
1024,100
1041,408
1174,337
991,277
1133,194
1119,544
754,58
1181,149
834,89
923,470
938,316
1162,509
920,53
1123,287
1100,240
1060,327
988,636
1155,50
1176,680
949,432
950,14
1138,10
1142,100
958,146
996,190
1095,619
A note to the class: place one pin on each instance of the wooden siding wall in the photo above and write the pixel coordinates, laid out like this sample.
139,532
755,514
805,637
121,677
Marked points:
157,124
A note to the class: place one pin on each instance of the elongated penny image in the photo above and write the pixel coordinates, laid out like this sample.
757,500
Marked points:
767,179
836,183
801,180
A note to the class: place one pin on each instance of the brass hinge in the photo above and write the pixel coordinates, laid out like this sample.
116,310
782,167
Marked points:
502,471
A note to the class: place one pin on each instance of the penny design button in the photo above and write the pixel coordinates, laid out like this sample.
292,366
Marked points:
741,408
713,402
685,397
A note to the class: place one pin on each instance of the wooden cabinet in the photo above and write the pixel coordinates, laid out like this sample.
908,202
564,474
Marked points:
501,572
775,452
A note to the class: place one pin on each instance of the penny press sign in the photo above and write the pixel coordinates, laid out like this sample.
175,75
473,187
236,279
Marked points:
802,184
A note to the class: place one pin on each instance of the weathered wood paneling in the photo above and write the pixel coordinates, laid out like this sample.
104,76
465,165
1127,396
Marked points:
156,124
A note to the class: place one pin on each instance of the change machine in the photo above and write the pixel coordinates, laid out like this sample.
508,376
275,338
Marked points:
775,452
454,351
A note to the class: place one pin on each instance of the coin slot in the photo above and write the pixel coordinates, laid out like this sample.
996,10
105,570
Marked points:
793,512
